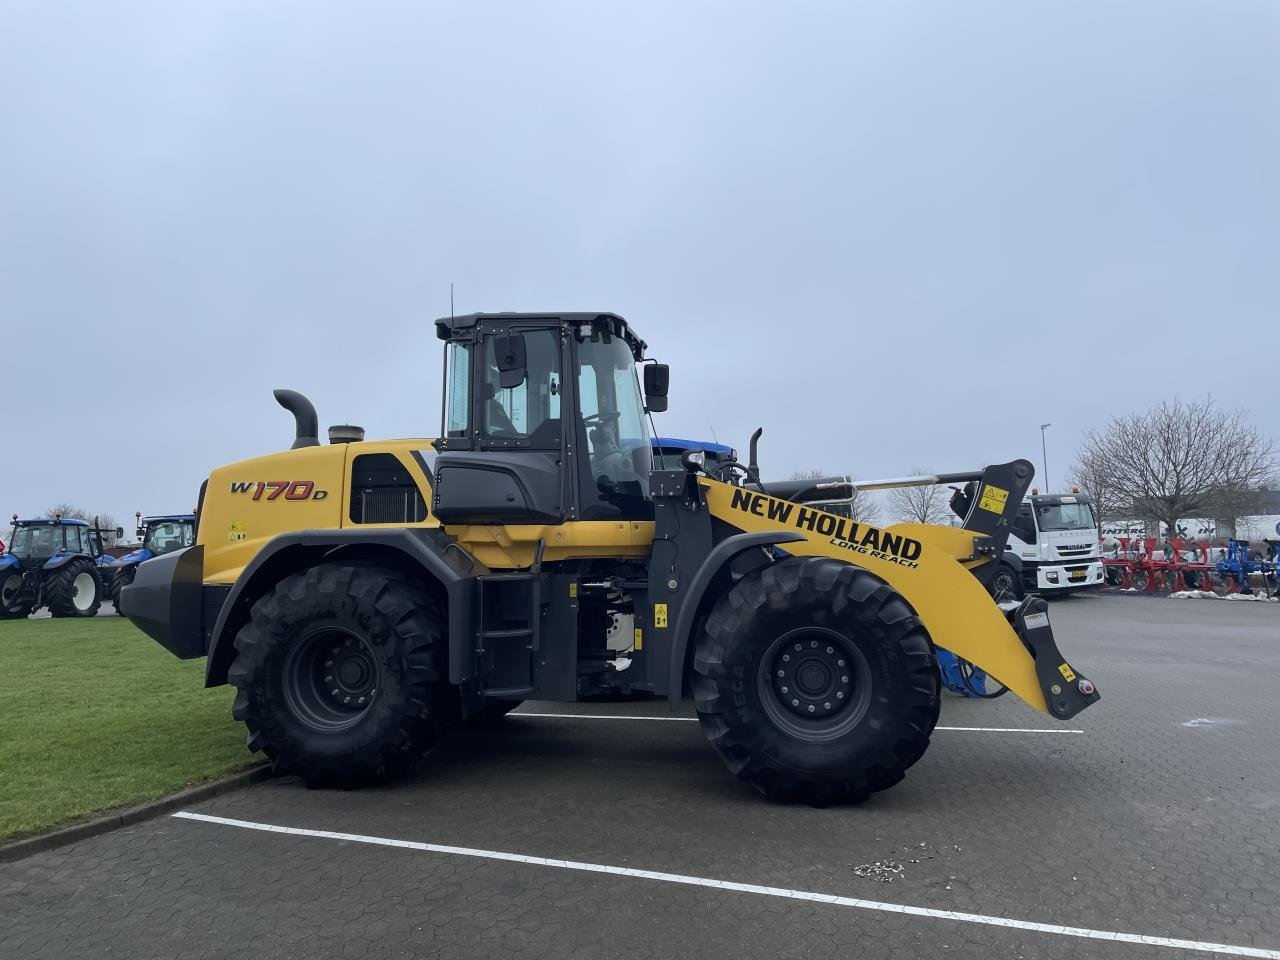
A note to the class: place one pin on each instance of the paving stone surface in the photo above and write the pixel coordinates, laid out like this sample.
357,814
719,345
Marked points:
1161,818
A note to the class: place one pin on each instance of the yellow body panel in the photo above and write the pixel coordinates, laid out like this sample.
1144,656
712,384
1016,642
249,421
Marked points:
928,565
250,502
513,546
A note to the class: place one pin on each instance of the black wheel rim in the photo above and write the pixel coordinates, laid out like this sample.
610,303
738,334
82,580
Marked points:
814,684
330,679
1004,583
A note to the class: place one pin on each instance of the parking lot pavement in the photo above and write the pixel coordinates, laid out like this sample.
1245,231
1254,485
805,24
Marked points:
1160,818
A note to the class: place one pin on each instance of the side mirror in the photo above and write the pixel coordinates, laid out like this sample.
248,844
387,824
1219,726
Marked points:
657,378
510,355
119,533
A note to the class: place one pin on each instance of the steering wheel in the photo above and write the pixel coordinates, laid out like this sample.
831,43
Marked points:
610,417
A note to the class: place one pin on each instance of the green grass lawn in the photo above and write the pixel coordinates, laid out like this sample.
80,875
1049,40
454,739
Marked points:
94,715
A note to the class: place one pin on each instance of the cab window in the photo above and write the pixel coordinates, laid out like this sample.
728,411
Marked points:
458,390
528,414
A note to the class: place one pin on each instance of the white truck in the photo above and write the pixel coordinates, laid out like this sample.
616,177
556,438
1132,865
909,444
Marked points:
1053,547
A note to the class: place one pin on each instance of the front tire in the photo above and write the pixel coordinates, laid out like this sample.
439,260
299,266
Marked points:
338,674
74,590
814,681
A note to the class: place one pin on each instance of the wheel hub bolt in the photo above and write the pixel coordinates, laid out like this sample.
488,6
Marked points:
782,673
795,703
811,708
839,694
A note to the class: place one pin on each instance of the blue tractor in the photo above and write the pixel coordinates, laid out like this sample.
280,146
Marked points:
159,535
56,563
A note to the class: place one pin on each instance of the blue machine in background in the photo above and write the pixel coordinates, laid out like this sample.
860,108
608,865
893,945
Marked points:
1238,563
669,449
960,676
160,534
54,562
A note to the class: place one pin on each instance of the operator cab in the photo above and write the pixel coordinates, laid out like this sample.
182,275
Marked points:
544,419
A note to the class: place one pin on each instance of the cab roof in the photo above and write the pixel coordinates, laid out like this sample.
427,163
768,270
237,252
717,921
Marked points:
165,517
50,522
447,328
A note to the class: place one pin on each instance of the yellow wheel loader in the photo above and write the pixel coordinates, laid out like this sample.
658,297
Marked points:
365,597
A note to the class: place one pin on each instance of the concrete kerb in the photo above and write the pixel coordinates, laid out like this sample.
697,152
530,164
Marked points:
25,847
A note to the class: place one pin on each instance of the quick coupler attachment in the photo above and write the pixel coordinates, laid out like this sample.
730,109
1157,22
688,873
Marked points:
1066,691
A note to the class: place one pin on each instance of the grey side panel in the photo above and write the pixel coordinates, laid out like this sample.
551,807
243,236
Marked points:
719,557
427,549
164,601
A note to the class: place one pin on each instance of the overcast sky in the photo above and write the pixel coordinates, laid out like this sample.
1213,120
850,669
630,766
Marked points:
892,234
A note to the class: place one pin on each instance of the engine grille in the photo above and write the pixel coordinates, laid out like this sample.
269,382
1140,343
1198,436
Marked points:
1076,550
403,505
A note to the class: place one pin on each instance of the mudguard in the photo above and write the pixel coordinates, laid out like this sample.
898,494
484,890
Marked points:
453,568
137,556
719,557
8,560
61,560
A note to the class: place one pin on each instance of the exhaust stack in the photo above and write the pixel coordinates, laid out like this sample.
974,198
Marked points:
307,424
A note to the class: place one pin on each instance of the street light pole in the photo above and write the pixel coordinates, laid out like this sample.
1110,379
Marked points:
1044,456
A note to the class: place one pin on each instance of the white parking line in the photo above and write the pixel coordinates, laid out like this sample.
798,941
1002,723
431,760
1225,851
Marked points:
781,892
613,716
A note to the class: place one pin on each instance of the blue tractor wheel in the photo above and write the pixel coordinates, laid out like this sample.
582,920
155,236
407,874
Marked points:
74,589
13,603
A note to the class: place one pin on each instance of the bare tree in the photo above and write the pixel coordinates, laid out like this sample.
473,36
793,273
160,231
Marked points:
919,504
1095,479
69,511
1177,460
861,506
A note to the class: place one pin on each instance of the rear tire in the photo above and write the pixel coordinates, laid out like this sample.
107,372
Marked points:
121,580
338,674
814,632
74,590
12,604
